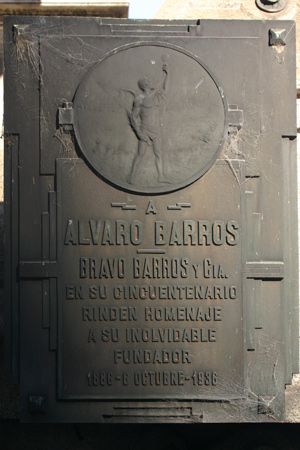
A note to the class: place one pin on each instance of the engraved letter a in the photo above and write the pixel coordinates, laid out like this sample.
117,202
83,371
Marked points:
151,208
92,336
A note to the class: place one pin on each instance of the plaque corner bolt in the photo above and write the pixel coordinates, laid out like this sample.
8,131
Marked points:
19,30
264,405
277,37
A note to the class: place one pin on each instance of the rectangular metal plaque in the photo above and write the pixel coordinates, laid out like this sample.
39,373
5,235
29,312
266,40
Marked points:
151,221
151,298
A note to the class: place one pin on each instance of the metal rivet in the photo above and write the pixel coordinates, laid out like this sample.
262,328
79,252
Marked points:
277,36
271,6
20,30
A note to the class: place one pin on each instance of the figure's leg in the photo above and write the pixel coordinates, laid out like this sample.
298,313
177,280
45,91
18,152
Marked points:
159,160
137,159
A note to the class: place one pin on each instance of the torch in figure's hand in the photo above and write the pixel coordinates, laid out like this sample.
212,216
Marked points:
165,67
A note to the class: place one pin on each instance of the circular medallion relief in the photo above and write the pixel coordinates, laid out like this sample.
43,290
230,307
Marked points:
150,117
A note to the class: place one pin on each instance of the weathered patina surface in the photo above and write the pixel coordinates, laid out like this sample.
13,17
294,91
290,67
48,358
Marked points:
151,239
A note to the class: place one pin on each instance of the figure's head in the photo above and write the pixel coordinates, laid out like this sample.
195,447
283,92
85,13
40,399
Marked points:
144,83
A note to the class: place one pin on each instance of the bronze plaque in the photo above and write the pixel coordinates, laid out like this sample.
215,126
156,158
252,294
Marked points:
151,219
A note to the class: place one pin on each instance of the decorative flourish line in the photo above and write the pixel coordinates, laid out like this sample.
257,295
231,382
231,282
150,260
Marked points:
179,206
124,206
